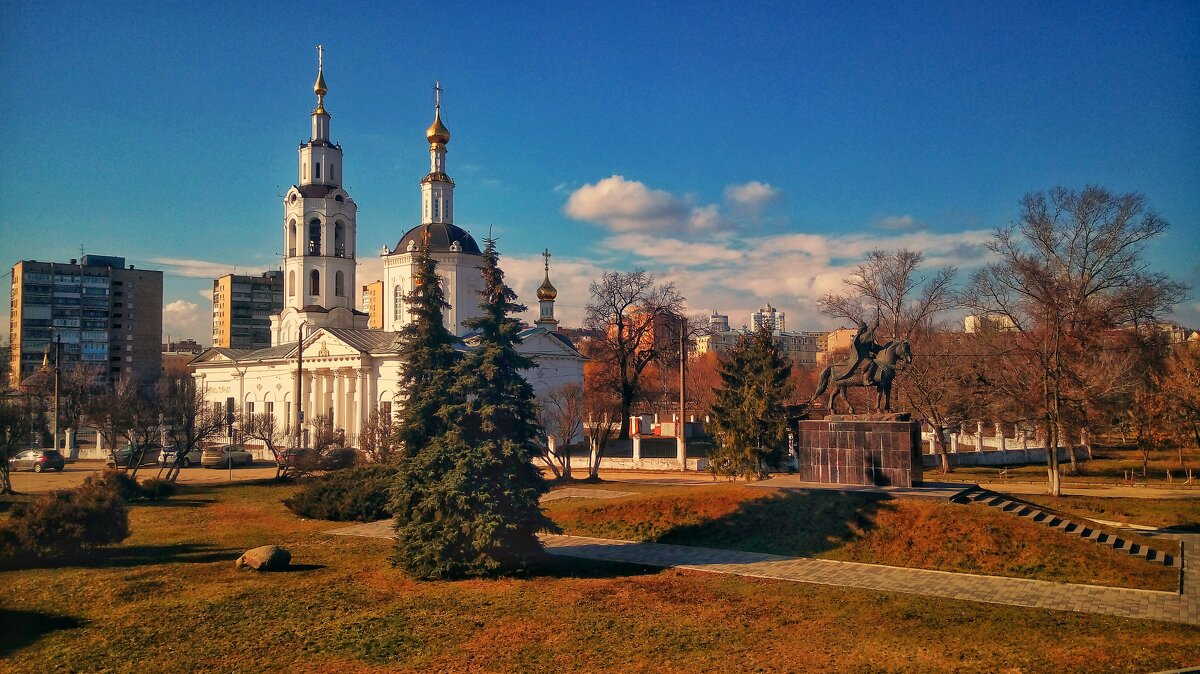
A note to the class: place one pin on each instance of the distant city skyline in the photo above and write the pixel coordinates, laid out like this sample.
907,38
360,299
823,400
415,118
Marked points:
751,154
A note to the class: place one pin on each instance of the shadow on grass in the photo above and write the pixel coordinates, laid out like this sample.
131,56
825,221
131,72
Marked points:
135,555
295,568
177,503
793,523
22,628
555,566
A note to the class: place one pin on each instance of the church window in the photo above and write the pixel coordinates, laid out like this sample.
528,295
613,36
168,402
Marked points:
314,237
398,303
339,198
249,408
317,171
292,283
339,284
332,171
314,283
292,237
339,239
436,210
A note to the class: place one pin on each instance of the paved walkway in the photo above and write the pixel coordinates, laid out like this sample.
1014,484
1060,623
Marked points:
1166,606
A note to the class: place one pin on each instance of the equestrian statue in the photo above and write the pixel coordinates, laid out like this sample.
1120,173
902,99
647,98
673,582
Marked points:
874,365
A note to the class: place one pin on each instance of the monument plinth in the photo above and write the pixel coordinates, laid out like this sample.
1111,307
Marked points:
881,449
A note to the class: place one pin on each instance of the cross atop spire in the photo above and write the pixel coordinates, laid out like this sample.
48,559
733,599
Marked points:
546,257
437,95
319,88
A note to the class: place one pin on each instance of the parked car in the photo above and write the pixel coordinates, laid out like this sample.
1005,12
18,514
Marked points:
226,456
124,456
192,458
38,460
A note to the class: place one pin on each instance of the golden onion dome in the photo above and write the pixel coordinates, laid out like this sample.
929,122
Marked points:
547,291
437,132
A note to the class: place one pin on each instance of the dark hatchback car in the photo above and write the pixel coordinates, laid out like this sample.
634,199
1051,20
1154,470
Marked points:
38,460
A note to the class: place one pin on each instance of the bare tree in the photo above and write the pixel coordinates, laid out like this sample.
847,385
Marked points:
1069,268
630,313
892,286
602,409
941,384
14,433
560,413
264,427
377,438
1180,386
188,419
108,412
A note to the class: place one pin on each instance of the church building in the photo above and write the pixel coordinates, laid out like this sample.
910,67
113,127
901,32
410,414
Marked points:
349,370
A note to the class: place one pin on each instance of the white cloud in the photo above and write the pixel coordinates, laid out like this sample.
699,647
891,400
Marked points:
206,293
196,268
898,222
628,205
187,320
752,198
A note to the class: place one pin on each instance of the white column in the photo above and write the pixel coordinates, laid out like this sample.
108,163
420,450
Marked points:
954,443
1000,436
362,398
351,407
339,400
979,436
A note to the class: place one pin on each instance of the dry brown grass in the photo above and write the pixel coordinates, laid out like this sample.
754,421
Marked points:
865,528
173,602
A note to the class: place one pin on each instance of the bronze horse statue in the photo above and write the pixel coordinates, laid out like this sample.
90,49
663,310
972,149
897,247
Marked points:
886,360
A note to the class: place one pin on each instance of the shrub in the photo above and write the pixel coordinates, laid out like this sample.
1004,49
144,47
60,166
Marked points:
116,481
62,524
355,494
156,489
337,458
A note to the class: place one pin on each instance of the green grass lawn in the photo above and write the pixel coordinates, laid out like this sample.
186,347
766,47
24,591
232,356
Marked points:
169,599
861,527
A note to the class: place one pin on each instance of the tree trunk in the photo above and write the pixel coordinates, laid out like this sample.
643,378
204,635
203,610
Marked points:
5,480
566,461
939,445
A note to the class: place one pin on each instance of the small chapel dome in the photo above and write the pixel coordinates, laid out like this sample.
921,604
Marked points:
547,291
442,239
437,132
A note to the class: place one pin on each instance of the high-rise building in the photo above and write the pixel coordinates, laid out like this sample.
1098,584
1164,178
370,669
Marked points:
770,317
372,303
242,308
102,313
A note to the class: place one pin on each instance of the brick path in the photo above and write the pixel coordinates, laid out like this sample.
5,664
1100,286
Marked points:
1154,605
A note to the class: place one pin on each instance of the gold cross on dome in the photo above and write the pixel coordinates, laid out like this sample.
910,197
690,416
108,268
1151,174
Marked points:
546,257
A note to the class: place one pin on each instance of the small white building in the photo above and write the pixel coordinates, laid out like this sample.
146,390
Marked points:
350,370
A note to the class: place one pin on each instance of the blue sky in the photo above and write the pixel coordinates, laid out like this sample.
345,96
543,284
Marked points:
751,152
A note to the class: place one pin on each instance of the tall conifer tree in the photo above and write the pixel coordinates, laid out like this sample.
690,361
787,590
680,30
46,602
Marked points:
748,414
429,357
467,504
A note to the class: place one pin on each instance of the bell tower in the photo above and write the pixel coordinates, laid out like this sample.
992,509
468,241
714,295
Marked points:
319,232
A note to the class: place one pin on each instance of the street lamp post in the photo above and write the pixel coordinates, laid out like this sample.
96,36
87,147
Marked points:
299,392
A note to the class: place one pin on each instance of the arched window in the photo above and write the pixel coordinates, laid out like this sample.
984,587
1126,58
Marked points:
292,238
398,303
339,284
314,237
317,171
292,283
314,283
339,239
332,172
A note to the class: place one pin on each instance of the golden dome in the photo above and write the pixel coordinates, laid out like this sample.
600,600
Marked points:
319,88
437,132
547,291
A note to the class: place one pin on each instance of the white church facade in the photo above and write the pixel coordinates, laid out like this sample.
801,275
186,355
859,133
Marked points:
348,370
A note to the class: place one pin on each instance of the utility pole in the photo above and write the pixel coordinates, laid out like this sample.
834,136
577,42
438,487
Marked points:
681,429
299,392
57,374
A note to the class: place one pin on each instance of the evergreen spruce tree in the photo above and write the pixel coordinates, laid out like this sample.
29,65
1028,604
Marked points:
748,415
467,504
429,357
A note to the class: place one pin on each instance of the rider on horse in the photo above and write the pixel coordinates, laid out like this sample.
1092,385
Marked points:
865,349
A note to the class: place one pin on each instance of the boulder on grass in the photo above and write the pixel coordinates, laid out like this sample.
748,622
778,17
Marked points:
265,558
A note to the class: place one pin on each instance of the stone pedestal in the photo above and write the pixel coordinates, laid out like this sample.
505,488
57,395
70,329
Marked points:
860,450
